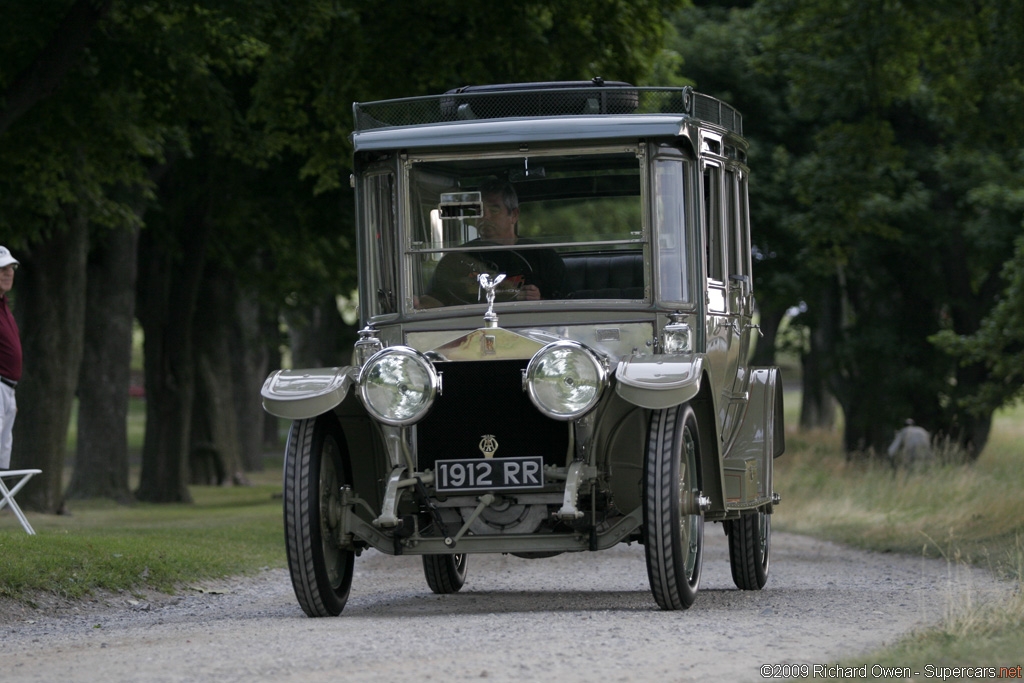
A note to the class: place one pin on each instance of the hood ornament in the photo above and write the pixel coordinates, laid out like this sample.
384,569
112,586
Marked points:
489,285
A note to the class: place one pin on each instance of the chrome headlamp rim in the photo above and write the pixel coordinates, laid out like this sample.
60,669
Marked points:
600,370
432,388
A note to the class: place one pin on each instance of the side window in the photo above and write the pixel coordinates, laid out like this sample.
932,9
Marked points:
381,228
742,227
713,222
732,224
674,250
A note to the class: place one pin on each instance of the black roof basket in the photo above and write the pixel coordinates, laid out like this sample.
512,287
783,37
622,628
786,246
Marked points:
554,98
596,97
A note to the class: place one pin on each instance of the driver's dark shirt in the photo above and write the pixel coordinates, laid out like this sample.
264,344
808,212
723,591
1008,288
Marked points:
455,280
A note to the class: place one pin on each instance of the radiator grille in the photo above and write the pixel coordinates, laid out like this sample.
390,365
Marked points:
486,397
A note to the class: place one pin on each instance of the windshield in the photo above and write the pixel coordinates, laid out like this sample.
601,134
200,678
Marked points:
557,227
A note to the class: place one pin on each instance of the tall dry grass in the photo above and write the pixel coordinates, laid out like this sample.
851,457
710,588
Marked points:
968,514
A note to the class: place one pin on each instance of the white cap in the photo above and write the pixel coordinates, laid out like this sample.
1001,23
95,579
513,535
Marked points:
5,257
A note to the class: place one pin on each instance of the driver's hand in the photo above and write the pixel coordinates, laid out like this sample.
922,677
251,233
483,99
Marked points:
529,293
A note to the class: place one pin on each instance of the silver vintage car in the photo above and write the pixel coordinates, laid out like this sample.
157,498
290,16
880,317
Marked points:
555,294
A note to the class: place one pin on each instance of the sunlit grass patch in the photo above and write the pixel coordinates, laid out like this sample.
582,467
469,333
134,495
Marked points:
102,545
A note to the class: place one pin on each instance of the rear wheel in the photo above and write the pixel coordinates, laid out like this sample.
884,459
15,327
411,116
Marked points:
673,520
749,549
315,469
445,573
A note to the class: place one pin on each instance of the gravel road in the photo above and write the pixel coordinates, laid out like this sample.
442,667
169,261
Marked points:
575,617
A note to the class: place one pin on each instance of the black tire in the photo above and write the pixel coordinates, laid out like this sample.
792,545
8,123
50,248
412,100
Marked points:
673,541
750,539
315,469
445,573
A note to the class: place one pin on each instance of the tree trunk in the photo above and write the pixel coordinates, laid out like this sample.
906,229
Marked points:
170,265
214,453
50,309
817,407
250,365
271,424
101,461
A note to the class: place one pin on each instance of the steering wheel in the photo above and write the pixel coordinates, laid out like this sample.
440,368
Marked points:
459,279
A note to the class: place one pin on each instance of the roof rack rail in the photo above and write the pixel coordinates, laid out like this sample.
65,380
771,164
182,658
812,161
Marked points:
559,98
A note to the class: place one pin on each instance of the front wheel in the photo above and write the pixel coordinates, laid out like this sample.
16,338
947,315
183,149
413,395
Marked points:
445,573
750,539
315,469
673,519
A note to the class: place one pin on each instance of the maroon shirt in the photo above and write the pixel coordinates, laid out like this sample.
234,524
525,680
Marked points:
10,344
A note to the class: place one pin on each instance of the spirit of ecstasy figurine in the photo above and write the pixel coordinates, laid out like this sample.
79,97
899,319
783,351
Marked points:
489,285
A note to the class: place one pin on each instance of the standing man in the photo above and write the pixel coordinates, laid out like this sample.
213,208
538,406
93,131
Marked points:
10,358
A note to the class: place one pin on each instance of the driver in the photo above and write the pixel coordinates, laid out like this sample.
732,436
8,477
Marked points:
530,274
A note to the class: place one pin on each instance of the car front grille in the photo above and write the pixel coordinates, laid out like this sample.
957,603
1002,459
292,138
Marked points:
481,398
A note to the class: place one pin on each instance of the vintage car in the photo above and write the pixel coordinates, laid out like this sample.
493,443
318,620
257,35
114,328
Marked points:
555,294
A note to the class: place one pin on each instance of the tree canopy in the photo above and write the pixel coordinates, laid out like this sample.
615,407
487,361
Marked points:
220,130
186,164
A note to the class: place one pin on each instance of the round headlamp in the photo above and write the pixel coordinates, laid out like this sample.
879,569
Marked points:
565,380
398,385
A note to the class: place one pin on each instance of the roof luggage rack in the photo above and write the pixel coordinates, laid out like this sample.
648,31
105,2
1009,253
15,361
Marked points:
558,98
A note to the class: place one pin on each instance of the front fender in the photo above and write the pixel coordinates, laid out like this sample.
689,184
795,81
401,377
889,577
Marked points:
301,394
659,381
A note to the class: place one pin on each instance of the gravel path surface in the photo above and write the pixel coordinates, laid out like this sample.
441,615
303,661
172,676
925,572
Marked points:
575,617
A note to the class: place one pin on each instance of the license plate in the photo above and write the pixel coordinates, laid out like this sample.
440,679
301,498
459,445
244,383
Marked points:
489,474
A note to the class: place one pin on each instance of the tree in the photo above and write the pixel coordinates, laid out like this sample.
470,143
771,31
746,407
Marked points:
898,147
62,146
122,91
719,46
58,56
101,459
998,344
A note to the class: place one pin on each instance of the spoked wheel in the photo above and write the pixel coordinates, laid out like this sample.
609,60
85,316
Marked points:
445,573
315,469
673,519
750,539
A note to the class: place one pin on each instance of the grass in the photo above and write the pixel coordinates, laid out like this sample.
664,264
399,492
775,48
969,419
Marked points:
966,514
226,531
102,545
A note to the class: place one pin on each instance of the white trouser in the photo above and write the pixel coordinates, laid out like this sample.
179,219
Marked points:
8,411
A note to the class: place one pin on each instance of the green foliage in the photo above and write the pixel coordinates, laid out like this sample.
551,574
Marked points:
325,55
998,344
883,156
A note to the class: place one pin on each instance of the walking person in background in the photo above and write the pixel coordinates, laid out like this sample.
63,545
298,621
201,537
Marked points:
10,358
912,446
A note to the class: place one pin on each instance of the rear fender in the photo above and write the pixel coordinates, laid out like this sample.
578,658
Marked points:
760,439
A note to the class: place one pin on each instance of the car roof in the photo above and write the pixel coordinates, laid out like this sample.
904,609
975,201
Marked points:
536,112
